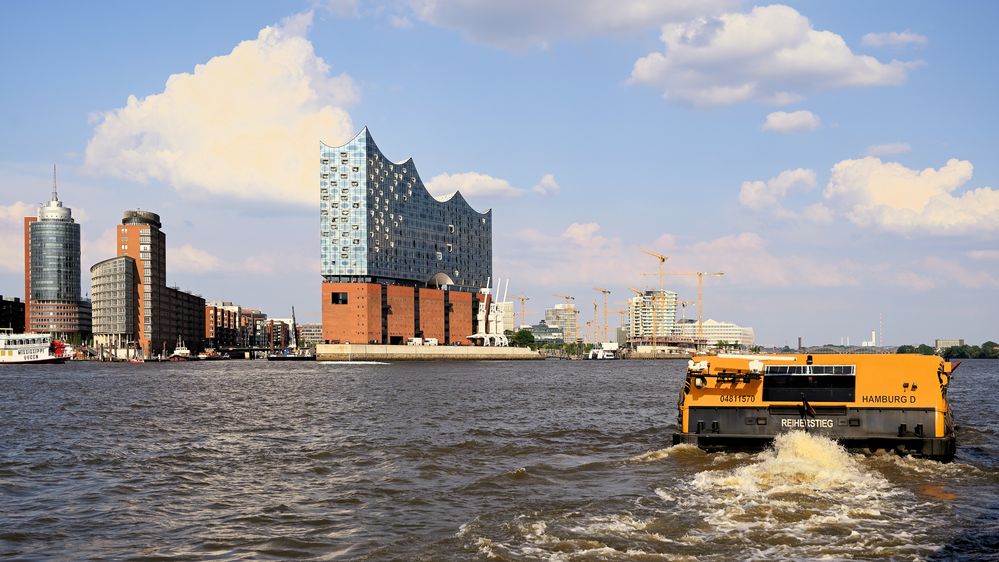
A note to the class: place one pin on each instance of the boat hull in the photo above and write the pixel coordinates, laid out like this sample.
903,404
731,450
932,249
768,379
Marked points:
45,360
906,431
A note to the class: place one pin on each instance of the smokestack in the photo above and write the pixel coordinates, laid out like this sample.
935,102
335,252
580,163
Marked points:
799,344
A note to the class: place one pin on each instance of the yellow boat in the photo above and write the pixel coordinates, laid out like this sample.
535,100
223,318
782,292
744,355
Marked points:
866,402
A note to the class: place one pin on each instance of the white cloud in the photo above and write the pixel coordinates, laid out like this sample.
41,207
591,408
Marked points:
245,125
889,196
471,184
793,122
759,195
818,214
890,149
15,212
893,38
189,259
342,8
12,233
771,54
546,185
524,24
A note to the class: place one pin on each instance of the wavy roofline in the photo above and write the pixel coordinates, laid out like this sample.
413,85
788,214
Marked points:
416,171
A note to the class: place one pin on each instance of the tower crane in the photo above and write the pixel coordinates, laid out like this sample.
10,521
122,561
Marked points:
662,265
700,295
605,293
523,310
683,313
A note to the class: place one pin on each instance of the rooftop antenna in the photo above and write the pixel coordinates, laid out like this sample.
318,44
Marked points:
55,191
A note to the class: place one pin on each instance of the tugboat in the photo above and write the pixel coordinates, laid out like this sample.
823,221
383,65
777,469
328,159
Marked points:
865,402
29,348
180,352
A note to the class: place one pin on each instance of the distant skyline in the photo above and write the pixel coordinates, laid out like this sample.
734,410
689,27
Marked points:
835,160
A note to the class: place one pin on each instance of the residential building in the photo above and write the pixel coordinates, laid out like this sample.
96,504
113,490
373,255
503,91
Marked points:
565,317
944,344
397,263
715,332
11,314
652,315
164,316
52,299
222,324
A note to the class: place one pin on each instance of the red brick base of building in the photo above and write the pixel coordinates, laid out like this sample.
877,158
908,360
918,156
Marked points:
365,313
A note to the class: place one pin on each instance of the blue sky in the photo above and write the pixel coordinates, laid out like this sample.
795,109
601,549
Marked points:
835,160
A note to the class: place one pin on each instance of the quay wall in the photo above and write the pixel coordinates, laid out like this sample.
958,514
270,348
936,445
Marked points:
356,352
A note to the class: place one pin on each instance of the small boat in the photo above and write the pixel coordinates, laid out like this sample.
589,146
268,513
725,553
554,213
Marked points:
27,348
181,353
865,402
605,350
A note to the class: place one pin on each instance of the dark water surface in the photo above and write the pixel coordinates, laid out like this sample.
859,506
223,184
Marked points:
454,461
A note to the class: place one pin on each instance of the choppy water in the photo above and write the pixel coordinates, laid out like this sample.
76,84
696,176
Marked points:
454,461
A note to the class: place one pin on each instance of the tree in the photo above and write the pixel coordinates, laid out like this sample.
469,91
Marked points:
905,349
522,338
924,349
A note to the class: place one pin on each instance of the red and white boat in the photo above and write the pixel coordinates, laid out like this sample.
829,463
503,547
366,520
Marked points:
30,348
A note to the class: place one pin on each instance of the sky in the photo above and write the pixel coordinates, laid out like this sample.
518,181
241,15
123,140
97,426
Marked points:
835,160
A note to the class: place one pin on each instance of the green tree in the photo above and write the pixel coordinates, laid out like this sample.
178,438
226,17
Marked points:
522,338
905,349
924,349
990,350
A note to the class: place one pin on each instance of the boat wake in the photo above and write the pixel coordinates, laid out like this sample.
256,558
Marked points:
807,497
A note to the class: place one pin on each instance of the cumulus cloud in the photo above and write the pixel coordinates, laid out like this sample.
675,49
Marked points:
471,184
546,185
15,212
771,54
894,39
244,125
759,195
793,122
524,24
889,196
890,149
187,258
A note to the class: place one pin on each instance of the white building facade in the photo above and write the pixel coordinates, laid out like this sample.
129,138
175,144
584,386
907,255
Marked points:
715,332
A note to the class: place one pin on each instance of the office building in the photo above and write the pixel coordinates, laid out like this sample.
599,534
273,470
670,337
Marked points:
52,299
397,263
652,316
133,284
716,332
310,334
565,317
945,343
545,334
11,314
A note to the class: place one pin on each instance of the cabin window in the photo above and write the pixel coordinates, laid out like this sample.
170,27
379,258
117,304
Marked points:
815,383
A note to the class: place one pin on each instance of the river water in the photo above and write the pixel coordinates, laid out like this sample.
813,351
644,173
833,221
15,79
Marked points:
555,460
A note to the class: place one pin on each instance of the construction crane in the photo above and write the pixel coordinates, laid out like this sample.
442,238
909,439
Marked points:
662,267
568,308
683,313
523,310
605,292
700,295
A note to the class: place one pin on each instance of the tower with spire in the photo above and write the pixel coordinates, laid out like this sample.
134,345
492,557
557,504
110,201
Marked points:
52,297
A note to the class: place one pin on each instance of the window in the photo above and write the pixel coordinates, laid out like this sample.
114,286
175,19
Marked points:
819,383
338,298
450,228
440,256
450,248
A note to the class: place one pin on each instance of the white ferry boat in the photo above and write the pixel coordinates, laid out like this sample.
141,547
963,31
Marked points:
29,348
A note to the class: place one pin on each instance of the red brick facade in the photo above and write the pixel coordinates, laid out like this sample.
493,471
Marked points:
354,312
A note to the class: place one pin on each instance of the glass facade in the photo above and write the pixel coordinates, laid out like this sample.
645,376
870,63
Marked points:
379,223
113,289
55,261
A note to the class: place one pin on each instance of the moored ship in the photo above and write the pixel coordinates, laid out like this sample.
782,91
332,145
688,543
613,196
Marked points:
29,349
866,402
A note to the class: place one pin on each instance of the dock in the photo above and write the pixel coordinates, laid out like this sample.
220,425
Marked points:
355,352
